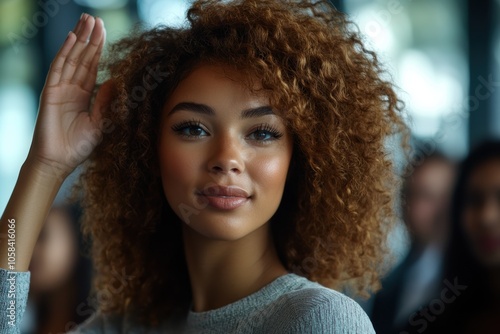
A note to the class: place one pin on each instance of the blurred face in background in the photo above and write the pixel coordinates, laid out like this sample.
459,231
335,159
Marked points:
55,254
481,212
429,191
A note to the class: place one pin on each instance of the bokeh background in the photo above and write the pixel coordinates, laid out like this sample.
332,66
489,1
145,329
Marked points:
443,56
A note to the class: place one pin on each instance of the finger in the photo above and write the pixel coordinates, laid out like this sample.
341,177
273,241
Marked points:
56,67
90,79
58,62
74,56
86,64
80,22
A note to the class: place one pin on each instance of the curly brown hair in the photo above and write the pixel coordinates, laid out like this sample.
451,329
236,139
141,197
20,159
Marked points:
332,223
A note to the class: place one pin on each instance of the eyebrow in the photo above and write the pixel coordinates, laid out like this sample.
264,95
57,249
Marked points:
206,110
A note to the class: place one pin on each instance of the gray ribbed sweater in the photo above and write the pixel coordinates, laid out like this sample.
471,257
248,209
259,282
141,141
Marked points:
289,304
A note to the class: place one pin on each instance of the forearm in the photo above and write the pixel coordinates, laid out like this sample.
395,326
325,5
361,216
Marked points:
62,129
25,214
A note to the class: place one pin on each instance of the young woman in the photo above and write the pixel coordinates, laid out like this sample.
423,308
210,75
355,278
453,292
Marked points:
235,170
470,298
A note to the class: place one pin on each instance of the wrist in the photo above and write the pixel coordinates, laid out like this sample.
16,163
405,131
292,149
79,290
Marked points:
49,171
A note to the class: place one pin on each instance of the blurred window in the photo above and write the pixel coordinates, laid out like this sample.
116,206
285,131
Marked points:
423,46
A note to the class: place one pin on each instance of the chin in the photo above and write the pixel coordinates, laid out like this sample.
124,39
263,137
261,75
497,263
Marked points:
222,228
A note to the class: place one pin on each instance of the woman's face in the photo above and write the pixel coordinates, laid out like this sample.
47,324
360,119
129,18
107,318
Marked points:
224,154
481,212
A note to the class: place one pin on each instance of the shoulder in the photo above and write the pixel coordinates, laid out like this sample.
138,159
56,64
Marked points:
313,308
322,310
100,323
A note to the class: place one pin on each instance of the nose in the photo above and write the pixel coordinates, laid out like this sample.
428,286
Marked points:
226,156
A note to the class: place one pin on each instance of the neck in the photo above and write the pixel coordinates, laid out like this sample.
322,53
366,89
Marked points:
222,272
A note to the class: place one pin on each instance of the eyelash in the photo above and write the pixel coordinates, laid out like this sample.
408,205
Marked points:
272,131
186,124
275,133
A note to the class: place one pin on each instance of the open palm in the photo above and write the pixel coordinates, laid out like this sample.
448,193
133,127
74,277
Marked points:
67,130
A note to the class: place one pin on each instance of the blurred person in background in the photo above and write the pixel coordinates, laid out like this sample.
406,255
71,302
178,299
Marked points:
470,302
60,275
425,195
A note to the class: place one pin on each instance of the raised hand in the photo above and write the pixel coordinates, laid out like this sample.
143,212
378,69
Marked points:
67,130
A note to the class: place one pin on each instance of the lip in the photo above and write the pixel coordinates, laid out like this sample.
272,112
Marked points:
225,197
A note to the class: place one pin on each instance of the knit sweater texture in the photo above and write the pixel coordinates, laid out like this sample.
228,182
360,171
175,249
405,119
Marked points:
289,304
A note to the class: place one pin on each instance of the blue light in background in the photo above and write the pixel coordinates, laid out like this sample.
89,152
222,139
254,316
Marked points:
102,4
17,109
154,12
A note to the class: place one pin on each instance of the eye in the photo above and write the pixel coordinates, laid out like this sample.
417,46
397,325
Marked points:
190,129
261,135
264,133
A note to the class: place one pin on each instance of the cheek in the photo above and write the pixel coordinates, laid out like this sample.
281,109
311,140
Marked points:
421,209
269,172
176,164
179,169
